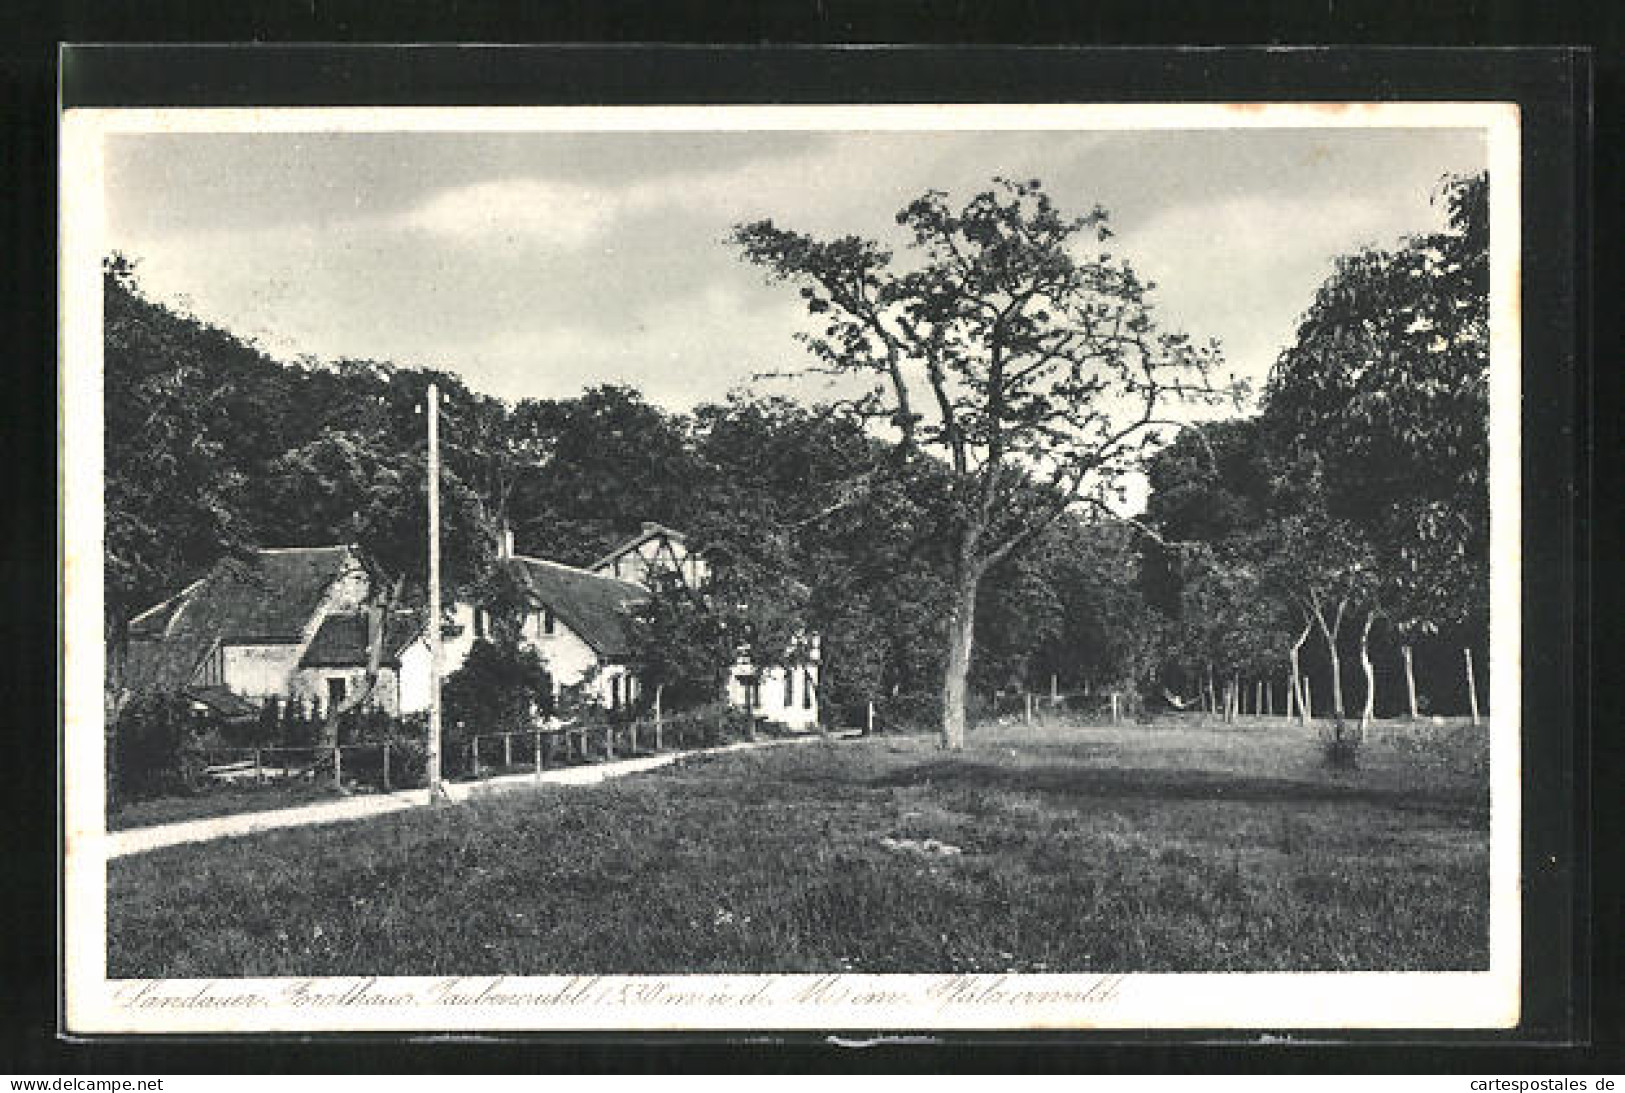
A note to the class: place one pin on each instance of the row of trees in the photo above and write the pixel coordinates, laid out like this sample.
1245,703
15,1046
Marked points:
1356,504
954,526
812,526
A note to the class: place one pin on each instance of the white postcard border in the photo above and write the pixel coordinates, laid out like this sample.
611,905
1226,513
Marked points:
1365,1000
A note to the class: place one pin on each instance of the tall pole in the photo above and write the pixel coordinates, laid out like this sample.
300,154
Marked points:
435,788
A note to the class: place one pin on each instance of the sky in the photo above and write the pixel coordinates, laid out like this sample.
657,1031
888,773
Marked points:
536,265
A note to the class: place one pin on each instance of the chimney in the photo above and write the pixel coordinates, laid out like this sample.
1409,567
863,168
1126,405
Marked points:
649,525
505,542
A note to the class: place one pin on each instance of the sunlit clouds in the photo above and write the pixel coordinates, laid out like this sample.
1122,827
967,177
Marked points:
538,264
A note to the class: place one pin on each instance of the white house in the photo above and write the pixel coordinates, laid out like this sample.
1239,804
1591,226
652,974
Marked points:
576,619
244,628
290,624
789,696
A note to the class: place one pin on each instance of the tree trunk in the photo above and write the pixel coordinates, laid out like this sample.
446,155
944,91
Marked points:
1296,695
1329,633
956,676
377,621
1370,705
1410,679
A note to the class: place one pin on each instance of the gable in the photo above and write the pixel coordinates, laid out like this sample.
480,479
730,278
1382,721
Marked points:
593,606
270,597
341,642
655,549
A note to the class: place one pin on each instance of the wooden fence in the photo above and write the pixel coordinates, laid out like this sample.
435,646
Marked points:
390,765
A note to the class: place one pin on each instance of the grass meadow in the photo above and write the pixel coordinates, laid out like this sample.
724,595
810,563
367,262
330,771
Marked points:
1047,848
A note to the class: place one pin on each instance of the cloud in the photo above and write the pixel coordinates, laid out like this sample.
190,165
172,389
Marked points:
537,210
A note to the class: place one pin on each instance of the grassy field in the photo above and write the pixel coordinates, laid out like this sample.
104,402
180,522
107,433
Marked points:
219,801
1164,848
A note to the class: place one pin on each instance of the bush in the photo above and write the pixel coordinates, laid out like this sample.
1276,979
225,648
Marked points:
921,711
148,748
499,688
1340,744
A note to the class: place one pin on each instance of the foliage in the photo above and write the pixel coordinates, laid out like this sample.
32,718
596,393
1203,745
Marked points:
148,746
1386,389
611,461
1032,361
501,687
681,645
1340,743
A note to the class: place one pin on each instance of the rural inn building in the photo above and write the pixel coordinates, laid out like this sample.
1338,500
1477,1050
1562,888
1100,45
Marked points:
290,624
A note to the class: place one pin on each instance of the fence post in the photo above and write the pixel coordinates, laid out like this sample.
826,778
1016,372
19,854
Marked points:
869,726
632,747
386,767
1472,684
259,769
658,688
1027,706
474,756
537,740
1114,707
338,767
507,750
609,741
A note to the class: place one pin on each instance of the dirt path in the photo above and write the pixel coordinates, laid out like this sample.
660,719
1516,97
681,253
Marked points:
139,840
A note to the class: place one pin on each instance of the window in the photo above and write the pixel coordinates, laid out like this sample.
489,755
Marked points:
550,622
615,693
335,691
789,688
806,689
481,623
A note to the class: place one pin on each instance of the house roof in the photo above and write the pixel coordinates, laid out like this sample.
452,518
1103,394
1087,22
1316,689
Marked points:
164,666
342,640
592,605
223,702
650,531
269,596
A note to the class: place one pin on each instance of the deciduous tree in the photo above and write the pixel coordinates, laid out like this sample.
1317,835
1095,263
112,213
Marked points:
1012,341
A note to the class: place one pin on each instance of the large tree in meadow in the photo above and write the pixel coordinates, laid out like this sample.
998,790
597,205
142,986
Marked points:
1011,341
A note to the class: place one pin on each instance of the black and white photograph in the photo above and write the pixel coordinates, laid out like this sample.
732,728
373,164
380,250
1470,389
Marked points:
792,567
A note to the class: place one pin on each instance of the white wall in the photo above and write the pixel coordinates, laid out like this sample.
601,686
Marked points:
309,688
568,657
770,703
413,684
259,671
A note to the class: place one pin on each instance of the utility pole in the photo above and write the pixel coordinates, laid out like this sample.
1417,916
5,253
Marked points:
436,790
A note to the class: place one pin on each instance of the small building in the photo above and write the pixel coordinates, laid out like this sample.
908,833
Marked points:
652,551
785,695
334,664
575,619
291,624
243,628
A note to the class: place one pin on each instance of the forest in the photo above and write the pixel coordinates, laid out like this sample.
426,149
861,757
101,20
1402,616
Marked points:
1333,529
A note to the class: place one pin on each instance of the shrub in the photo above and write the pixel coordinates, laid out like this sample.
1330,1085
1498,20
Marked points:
149,744
921,711
499,688
1340,744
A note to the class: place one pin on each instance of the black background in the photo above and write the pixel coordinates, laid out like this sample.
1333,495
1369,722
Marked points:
1572,911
